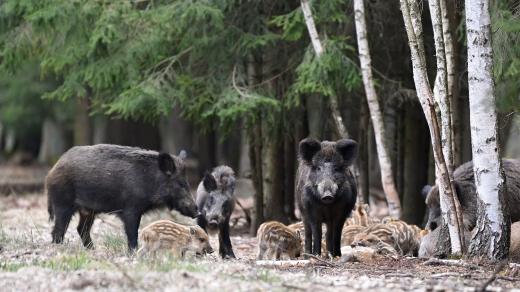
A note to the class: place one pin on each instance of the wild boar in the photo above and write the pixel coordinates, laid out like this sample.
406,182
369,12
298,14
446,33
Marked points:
326,190
276,240
360,216
431,240
403,237
464,182
181,240
119,180
349,232
216,202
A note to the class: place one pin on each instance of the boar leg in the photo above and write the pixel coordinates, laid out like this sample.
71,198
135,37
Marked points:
337,228
316,238
330,238
308,236
61,223
86,219
224,242
131,222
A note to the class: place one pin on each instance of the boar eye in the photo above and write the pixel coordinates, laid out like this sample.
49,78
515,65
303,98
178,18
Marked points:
316,168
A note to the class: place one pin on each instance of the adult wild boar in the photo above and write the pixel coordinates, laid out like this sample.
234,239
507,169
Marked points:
464,181
114,179
326,190
216,202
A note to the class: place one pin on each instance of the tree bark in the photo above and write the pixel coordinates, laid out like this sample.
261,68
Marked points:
440,89
411,16
387,176
339,127
415,170
491,237
362,160
82,127
53,143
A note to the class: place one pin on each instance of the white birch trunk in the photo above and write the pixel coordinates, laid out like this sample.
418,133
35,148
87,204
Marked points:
339,127
411,16
440,90
492,232
387,178
450,77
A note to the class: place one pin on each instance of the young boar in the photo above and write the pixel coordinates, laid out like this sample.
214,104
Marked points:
276,240
465,190
181,240
360,216
402,237
349,232
215,202
124,181
326,190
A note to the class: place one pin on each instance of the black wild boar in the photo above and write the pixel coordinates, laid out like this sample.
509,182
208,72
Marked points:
215,202
326,190
114,179
464,181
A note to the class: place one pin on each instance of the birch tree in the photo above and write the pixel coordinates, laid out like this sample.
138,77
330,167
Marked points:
376,116
319,49
491,237
412,21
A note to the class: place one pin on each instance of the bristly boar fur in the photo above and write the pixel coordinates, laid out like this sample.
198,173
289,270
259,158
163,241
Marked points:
403,237
124,181
326,190
275,240
464,181
181,240
216,202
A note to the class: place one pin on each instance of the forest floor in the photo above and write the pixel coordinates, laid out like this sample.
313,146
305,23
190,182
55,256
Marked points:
29,262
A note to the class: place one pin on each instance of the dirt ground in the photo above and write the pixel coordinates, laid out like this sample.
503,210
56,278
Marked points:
29,262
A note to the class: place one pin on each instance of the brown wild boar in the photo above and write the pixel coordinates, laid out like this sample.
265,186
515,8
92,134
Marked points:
402,237
181,240
360,216
349,232
276,240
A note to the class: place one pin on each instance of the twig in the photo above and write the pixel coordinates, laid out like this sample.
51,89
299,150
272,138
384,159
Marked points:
500,266
511,279
455,263
290,263
290,286
327,263
399,275
442,275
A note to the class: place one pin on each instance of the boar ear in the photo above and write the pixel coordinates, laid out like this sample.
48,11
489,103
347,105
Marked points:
166,163
298,234
183,154
348,149
425,191
192,230
209,182
308,148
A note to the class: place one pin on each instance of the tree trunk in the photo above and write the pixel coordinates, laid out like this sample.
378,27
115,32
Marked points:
387,176
448,12
415,168
255,156
440,88
53,142
176,132
82,127
100,129
362,160
289,175
491,237
411,16
339,128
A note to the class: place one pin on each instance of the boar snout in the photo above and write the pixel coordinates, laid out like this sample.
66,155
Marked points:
189,209
213,223
433,226
208,249
327,189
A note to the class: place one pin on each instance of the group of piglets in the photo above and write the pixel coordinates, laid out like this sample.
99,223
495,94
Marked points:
128,182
